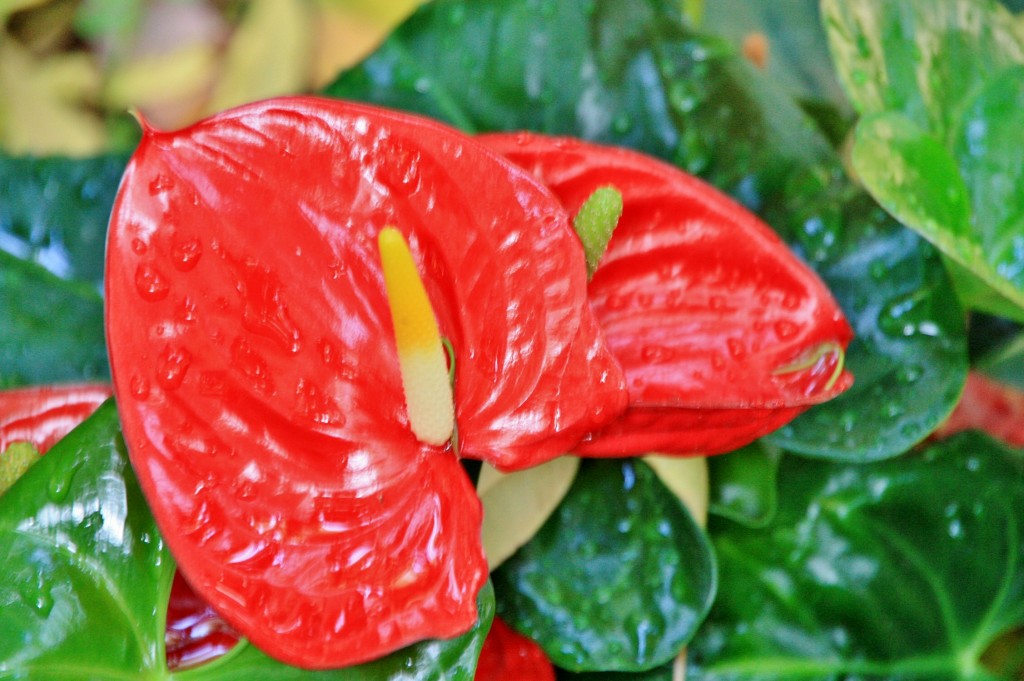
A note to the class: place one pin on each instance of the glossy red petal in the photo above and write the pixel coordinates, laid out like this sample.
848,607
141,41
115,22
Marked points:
195,633
258,381
704,306
42,415
507,655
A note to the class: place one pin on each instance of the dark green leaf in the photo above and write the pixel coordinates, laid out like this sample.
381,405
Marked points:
903,569
910,336
636,77
52,329
54,211
85,570
618,579
743,484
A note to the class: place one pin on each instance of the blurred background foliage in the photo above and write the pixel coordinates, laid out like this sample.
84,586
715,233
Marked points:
71,69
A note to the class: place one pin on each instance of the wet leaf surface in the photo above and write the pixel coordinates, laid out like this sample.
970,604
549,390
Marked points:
637,586
903,569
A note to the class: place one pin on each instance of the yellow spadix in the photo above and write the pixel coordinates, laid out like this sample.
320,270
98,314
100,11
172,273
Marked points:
421,356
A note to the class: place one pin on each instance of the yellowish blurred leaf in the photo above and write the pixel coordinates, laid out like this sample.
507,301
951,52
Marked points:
42,107
687,478
348,30
270,54
517,504
44,27
9,7
153,83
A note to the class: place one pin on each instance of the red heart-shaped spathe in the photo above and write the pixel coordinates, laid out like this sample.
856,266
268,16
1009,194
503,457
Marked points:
710,314
257,376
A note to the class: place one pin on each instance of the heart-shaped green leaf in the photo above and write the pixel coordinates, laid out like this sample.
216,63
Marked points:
903,569
619,578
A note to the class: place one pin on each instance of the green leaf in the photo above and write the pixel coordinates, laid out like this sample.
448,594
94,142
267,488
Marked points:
54,212
921,58
903,569
941,83
640,578
899,569
743,484
638,78
82,555
917,180
53,225
910,336
52,330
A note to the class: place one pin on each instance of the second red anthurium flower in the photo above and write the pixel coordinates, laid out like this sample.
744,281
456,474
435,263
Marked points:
723,333
253,349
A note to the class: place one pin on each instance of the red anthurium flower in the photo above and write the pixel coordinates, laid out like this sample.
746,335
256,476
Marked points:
723,333
261,390
41,415
507,655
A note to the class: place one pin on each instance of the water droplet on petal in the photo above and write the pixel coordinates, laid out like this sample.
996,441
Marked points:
139,387
185,254
785,329
150,284
172,367
160,183
139,247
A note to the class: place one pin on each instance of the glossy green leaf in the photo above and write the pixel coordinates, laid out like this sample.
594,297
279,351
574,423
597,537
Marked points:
922,58
87,577
941,84
649,83
743,484
639,582
54,212
81,555
903,569
52,329
909,354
